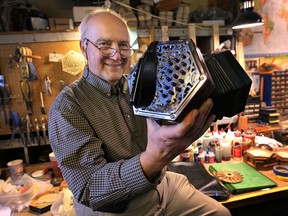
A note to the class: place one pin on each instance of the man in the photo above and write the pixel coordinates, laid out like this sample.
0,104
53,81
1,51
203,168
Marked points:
114,162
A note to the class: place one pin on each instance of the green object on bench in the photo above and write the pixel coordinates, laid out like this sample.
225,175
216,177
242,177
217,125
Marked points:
252,178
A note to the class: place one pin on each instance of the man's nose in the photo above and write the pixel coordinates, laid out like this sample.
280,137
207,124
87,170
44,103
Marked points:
116,54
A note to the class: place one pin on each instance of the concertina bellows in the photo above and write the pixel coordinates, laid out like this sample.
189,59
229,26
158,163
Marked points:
173,77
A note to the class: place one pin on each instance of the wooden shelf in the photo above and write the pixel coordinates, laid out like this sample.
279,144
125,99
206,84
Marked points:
38,36
56,36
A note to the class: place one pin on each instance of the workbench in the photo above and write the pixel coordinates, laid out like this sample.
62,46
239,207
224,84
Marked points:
275,199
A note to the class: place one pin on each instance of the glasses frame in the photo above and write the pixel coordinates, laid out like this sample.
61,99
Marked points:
114,50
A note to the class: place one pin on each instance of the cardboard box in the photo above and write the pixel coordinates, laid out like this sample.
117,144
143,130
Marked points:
61,24
43,202
80,12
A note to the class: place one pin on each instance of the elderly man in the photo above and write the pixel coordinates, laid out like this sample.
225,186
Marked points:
115,162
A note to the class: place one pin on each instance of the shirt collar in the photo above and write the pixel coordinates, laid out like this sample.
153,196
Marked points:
102,85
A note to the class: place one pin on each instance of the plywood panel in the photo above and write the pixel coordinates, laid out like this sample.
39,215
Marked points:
11,72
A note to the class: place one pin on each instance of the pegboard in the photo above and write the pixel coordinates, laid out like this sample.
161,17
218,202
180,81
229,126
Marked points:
12,75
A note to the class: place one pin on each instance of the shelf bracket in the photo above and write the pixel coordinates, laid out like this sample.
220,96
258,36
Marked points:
216,37
192,31
165,33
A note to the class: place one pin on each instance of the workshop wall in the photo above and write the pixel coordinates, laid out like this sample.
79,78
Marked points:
12,75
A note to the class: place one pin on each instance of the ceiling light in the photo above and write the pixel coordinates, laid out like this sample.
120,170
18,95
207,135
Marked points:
248,17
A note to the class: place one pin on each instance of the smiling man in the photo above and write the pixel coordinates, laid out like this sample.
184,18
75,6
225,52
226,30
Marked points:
115,162
106,47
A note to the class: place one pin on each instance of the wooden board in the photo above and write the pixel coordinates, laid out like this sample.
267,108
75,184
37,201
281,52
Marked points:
11,72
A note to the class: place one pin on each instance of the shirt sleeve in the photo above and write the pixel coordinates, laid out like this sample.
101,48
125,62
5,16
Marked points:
94,181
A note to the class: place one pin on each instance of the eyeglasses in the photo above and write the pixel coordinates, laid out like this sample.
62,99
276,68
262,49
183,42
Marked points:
110,52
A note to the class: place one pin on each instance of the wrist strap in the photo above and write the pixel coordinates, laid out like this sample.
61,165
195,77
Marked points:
146,74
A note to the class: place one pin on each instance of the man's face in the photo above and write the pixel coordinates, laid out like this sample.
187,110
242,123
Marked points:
109,31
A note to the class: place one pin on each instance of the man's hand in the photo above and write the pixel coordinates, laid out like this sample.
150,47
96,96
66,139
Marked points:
167,141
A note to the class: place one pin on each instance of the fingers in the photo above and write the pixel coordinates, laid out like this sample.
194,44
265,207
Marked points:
204,128
204,112
197,120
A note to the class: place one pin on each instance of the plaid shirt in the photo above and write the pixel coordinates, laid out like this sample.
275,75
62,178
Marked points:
97,141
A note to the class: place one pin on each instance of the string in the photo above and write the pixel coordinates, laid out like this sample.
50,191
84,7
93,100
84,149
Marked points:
107,5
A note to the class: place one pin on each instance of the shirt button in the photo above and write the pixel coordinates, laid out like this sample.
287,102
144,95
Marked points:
128,116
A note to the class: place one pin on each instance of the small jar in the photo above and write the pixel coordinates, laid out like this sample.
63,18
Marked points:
187,155
218,154
237,151
226,151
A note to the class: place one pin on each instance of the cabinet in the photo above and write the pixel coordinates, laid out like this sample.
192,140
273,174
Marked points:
279,92
274,90
31,154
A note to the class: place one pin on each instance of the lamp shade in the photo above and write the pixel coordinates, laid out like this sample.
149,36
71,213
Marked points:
248,17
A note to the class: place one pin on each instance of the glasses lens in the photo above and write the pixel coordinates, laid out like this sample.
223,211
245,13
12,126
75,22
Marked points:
125,53
110,52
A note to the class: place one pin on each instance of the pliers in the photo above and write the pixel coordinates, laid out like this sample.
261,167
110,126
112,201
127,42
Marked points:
26,93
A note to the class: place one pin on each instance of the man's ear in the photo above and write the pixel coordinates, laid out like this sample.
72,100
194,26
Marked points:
83,47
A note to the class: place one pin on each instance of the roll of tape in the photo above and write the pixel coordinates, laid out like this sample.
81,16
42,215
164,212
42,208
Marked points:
282,178
280,170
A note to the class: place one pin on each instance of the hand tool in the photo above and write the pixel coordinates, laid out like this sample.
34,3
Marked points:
2,103
21,129
23,126
14,118
30,134
17,127
8,102
48,86
32,72
43,123
42,108
28,139
24,69
21,53
37,131
26,93
2,81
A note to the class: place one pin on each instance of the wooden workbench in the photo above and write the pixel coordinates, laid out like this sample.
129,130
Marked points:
235,201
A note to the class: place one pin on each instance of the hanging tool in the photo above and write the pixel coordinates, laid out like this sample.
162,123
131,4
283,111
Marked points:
23,126
14,118
2,103
2,81
28,138
27,131
8,102
22,53
43,123
24,69
26,93
37,131
16,127
42,108
48,86
21,130
28,71
32,72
